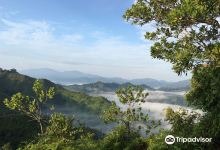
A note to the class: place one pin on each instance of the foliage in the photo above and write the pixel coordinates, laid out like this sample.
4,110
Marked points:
184,123
182,120
61,134
100,87
60,127
189,124
122,139
31,107
205,92
187,35
125,135
205,95
132,98
6,147
17,129
187,31
156,142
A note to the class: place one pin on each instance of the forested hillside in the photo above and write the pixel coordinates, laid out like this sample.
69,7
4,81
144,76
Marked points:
12,82
16,127
100,87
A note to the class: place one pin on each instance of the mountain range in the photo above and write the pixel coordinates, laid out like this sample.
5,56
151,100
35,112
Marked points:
68,77
76,77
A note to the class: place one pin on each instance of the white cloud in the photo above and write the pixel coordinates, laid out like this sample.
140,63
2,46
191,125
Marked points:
135,1
5,13
72,38
36,44
24,33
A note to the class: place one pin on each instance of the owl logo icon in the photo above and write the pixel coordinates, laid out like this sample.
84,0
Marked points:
170,139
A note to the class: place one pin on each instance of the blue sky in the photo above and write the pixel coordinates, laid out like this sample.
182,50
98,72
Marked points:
88,36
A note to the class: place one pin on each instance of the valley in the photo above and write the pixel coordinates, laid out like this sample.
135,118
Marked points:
87,101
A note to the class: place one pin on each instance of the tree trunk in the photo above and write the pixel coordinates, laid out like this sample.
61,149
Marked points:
41,126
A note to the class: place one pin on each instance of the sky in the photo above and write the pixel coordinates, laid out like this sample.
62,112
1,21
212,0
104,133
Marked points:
87,36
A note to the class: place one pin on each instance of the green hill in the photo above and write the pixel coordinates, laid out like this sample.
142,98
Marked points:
101,87
12,82
15,127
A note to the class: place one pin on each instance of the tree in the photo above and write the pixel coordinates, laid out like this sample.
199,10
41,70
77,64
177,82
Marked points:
31,106
126,135
187,31
132,98
118,139
59,131
187,35
62,134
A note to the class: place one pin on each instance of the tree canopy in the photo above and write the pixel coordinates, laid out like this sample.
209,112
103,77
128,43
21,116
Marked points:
187,34
187,31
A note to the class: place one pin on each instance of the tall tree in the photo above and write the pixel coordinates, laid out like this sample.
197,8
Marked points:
187,31
187,35
131,114
125,135
31,106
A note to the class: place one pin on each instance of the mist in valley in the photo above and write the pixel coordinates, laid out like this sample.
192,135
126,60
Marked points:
155,106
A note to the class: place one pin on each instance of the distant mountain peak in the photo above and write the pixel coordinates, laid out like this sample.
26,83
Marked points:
77,77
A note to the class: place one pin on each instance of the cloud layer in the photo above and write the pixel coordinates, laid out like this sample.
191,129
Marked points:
37,44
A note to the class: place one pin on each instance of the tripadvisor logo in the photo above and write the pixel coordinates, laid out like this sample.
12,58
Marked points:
169,139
